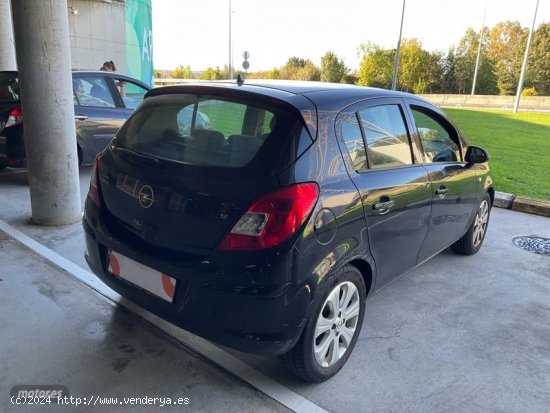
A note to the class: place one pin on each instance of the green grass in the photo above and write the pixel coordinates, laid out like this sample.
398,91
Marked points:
518,146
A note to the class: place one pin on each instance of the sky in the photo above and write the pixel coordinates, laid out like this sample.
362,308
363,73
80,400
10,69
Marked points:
196,33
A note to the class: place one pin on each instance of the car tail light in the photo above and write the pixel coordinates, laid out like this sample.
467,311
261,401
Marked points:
14,162
95,189
15,117
272,219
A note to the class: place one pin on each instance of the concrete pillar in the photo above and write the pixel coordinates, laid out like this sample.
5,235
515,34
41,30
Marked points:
7,48
41,31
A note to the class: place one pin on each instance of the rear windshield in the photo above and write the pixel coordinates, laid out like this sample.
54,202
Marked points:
210,131
9,86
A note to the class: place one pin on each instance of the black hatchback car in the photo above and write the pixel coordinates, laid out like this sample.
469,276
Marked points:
102,102
267,231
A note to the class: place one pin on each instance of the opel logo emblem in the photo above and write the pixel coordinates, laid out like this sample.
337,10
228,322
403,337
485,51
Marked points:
146,196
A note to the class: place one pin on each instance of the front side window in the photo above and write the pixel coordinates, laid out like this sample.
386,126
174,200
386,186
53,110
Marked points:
388,143
131,93
436,137
92,92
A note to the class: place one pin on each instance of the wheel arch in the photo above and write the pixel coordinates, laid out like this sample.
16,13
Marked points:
366,271
491,192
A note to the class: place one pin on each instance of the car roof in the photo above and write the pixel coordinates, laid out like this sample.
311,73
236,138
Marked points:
84,73
320,93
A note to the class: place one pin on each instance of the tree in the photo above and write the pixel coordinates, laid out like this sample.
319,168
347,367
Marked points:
434,72
182,72
212,74
309,72
300,69
538,73
419,70
376,66
413,61
449,83
332,69
465,56
505,48
274,73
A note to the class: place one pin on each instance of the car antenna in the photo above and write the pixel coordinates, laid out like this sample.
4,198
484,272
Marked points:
240,79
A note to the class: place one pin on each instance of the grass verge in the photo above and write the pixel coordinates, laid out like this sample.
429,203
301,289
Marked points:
518,146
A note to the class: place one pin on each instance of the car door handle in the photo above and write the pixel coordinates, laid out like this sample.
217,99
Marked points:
80,117
441,191
384,206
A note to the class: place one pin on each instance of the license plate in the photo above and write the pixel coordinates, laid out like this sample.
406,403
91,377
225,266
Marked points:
152,281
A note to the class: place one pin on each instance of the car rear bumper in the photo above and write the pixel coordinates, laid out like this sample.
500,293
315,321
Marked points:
252,319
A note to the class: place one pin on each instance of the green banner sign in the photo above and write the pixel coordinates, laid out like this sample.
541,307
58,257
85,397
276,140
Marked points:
139,40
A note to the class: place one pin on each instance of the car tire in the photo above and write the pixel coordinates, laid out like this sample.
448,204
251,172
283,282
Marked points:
313,358
471,242
3,165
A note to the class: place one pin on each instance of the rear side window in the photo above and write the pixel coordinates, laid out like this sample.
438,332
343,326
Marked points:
387,139
210,131
351,132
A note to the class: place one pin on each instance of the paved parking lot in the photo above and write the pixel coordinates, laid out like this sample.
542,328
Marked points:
456,334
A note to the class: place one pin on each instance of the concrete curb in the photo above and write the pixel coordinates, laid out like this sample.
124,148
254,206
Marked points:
522,204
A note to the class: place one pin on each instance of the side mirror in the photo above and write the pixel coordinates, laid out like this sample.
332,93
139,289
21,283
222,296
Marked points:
475,154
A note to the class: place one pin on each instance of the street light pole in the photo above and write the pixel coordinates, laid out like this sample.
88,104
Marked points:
230,65
525,58
479,51
396,64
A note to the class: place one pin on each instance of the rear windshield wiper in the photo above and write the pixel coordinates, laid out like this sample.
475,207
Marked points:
142,159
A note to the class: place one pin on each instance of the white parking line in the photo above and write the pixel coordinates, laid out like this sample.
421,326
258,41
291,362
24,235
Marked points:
225,360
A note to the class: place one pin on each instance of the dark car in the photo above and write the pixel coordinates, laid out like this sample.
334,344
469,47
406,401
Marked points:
267,232
102,102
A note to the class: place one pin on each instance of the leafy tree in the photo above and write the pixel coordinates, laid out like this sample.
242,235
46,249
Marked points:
465,56
538,73
350,78
212,74
182,72
413,61
274,73
300,69
309,72
419,70
332,69
505,48
376,66
448,82
434,72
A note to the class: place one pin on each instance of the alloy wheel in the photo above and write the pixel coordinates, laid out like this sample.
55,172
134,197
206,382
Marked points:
480,224
336,324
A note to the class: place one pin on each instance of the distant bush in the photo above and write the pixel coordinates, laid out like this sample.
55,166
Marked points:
529,91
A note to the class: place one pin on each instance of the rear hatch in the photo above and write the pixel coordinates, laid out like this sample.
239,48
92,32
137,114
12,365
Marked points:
185,167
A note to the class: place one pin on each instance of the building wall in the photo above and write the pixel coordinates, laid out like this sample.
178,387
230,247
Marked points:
117,30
